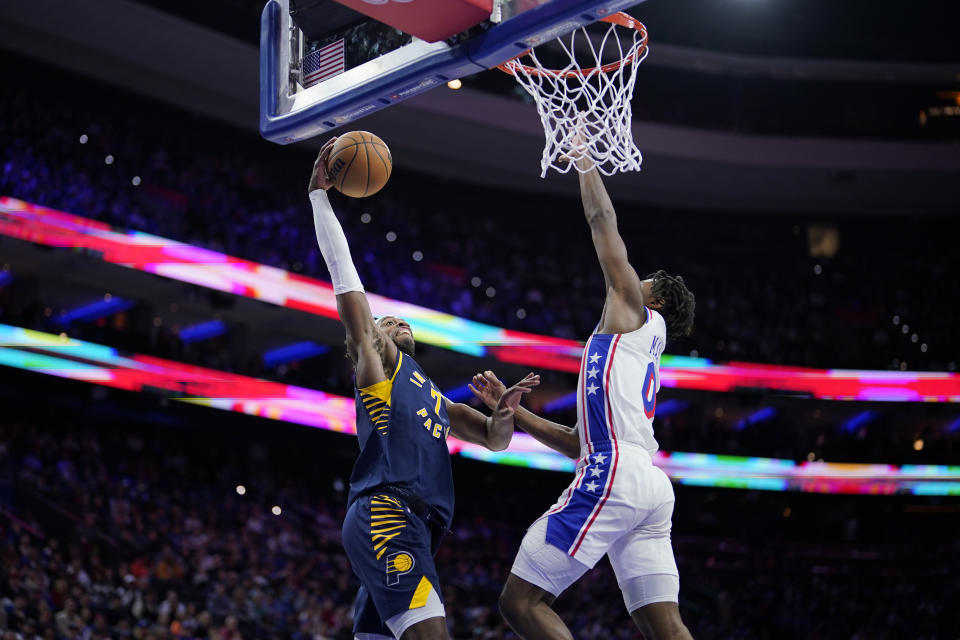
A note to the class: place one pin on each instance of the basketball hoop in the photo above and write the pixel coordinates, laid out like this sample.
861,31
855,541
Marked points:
594,101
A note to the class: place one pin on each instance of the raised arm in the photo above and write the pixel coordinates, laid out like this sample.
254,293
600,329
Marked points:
363,335
623,310
488,388
496,430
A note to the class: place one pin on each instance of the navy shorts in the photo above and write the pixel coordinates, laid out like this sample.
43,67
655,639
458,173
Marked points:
391,552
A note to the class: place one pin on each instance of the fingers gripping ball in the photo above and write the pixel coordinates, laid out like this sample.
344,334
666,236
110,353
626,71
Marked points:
359,164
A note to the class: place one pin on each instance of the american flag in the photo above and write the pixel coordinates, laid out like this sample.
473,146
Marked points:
323,63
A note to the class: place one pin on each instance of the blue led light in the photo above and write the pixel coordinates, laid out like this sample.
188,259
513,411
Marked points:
203,331
859,420
293,353
765,413
670,407
563,402
94,310
458,394
954,426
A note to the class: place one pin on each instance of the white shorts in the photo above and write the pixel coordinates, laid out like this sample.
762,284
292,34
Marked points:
627,518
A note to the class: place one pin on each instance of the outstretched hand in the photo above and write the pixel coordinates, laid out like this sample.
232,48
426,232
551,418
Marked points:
510,399
494,394
319,178
578,152
487,388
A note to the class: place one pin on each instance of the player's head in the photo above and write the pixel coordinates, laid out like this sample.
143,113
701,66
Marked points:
398,330
671,298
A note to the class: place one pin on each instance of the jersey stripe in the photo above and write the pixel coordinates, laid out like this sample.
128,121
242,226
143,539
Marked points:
582,383
594,395
383,530
376,400
616,449
567,523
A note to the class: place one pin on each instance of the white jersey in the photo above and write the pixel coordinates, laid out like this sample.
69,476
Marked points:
618,501
617,390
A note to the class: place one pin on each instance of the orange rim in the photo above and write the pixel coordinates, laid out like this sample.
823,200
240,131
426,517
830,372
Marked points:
620,18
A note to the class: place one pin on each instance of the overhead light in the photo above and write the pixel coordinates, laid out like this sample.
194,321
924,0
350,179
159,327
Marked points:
455,83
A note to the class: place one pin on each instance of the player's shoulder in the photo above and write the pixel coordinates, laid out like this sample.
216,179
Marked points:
656,321
651,334
653,323
656,327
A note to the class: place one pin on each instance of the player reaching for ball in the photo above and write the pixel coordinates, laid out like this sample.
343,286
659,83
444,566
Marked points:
401,488
619,503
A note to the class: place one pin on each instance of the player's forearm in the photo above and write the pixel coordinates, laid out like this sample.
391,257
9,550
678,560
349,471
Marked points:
493,432
352,303
558,437
333,245
499,427
611,251
597,206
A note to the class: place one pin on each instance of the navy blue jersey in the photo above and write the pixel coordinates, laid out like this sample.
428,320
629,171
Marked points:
402,426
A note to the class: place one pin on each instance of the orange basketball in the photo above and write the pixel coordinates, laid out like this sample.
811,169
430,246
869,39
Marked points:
359,164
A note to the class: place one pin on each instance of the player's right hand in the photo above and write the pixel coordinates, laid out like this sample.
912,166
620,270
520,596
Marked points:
487,387
319,178
577,149
510,399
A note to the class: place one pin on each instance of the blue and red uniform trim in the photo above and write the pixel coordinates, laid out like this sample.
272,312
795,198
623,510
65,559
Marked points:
568,524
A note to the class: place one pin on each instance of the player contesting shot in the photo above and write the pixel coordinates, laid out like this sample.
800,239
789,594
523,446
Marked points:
619,503
401,488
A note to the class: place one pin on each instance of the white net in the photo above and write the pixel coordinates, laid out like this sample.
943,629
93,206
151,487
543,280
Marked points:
591,95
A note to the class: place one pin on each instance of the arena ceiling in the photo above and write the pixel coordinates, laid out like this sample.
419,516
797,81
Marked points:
487,138
919,31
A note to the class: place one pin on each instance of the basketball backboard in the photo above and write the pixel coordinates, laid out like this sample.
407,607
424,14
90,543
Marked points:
326,64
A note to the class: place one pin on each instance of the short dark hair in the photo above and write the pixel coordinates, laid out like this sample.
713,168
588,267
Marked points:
678,303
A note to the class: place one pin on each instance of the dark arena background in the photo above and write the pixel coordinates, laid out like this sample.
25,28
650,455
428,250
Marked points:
176,409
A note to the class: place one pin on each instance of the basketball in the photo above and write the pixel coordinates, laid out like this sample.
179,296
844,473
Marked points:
359,164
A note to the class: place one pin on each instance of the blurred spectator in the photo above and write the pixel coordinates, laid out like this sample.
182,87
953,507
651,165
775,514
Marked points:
753,565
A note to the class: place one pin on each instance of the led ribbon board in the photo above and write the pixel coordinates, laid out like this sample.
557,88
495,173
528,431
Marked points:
66,357
186,263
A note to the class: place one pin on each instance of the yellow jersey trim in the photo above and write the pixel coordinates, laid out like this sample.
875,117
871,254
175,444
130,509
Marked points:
421,594
381,390
397,369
